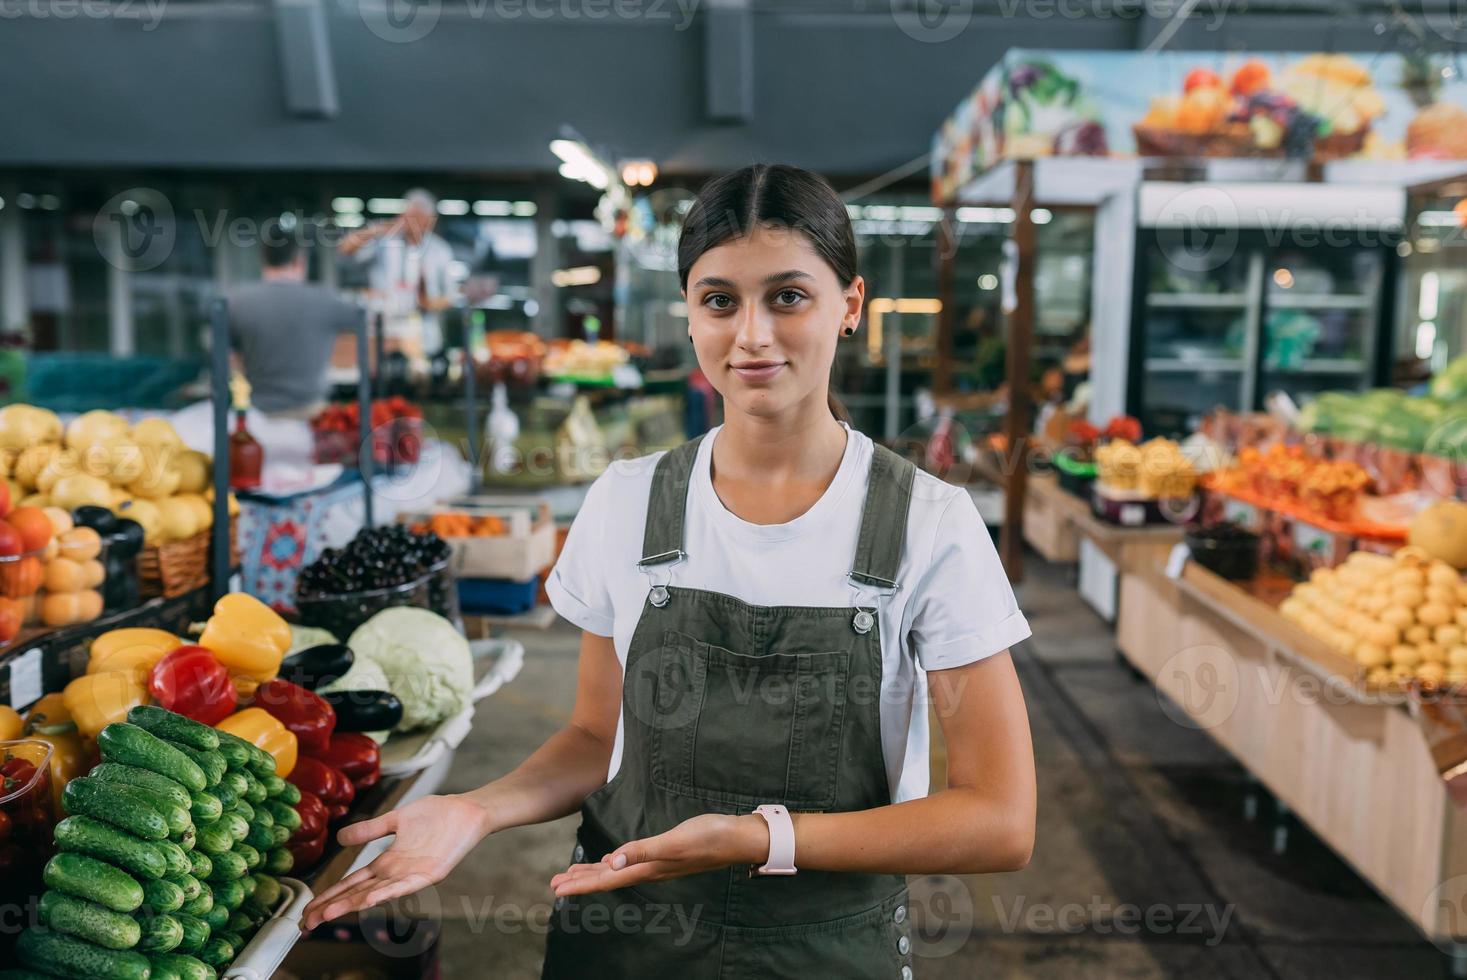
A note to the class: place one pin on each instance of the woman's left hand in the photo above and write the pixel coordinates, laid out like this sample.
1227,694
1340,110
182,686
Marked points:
702,843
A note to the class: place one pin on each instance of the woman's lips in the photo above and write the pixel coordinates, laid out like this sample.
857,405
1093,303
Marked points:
757,372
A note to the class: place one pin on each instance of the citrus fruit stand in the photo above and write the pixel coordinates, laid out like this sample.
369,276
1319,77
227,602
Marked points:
250,741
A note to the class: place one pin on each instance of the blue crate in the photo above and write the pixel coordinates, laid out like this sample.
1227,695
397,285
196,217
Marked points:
497,596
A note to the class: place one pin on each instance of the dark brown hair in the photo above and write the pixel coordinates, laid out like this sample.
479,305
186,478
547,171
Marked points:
774,195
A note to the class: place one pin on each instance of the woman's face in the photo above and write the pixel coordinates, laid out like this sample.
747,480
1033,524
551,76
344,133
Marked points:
764,312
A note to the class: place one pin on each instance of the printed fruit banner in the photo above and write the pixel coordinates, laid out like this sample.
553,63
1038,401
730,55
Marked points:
1202,104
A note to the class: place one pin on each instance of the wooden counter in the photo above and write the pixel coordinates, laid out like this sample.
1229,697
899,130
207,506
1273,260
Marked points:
1055,520
1352,765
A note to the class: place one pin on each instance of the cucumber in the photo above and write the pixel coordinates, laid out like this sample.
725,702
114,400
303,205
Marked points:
244,809
130,745
235,939
189,885
214,838
85,877
105,801
163,971
249,884
278,861
187,967
252,857
255,791
88,920
205,807
217,952
163,896
210,763
195,933
84,835
226,794
32,975
255,759
216,917
161,934
176,858
236,781
228,895
184,967
282,813
235,750
174,727
281,833
279,789
237,825
187,840
199,906
267,890
228,866
114,772
264,815
256,912
177,817
240,923
260,837
202,865
54,953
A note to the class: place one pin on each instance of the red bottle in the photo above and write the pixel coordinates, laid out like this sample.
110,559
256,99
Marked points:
246,456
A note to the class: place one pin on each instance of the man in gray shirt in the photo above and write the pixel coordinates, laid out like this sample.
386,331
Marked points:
284,329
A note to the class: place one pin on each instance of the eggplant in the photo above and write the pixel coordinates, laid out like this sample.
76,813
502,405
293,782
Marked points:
317,666
99,519
365,711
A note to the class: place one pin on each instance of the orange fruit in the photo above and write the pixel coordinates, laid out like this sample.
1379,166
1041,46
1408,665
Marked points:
11,617
21,577
92,574
89,605
81,543
65,575
34,527
60,519
61,609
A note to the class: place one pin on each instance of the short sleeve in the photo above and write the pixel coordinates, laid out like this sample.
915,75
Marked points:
577,586
964,608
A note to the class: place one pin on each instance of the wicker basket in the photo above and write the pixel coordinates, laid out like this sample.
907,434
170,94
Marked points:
175,567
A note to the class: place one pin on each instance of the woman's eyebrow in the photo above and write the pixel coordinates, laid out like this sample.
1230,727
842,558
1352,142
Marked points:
716,281
790,276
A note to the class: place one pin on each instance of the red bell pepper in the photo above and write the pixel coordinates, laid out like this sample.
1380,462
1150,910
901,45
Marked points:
327,782
306,851
338,812
192,682
313,815
356,755
303,713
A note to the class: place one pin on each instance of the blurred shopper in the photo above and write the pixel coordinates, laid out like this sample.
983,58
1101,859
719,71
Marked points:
409,274
284,329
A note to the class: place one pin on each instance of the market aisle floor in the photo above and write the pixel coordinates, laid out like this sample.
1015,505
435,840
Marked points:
1145,864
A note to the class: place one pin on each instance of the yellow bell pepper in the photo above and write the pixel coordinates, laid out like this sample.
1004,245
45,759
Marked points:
261,729
247,636
50,721
130,649
11,724
97,700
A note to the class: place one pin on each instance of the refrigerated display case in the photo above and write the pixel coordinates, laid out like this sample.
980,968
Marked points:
1228,323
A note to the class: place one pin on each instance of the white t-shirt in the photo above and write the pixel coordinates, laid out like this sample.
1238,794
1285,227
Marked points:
954,602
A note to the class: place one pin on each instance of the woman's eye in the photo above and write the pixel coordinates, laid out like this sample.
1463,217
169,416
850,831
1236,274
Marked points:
788,297
718,301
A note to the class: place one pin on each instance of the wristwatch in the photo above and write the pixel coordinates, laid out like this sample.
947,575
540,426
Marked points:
781,841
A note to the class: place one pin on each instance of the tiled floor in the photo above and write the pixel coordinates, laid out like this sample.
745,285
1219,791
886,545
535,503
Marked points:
1146,865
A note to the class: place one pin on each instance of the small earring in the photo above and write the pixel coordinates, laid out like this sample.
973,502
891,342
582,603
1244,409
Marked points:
846,332
690,338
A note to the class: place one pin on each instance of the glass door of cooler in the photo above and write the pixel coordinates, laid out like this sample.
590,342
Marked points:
1199,329
1321,319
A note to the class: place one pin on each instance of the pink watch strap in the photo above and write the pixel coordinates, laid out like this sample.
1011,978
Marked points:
781,840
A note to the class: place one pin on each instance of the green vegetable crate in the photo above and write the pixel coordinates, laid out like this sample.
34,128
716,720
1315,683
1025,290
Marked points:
151,879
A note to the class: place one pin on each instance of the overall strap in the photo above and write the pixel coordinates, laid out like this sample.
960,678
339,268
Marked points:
884,519
662,542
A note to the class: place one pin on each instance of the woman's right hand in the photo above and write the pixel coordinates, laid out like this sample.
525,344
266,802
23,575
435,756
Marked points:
432,836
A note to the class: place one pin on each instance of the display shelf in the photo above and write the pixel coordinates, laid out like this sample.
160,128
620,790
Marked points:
1335,365
1197,301
1318,301
1182,364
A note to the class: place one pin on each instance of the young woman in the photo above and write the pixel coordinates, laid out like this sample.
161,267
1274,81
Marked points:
768,612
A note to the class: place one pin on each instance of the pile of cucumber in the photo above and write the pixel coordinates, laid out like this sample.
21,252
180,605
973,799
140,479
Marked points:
167,863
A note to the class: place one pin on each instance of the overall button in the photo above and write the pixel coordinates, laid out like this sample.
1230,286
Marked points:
900,915
906,973
863,621
659,596
904,945
579,855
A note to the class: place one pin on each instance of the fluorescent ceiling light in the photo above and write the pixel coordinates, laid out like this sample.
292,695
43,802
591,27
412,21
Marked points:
387,205
581,275
453,207
349,205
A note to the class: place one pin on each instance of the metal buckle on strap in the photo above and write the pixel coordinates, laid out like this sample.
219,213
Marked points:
865,580
861,583
668,557
658,595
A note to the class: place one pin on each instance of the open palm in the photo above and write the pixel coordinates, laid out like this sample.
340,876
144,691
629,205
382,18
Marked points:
432,835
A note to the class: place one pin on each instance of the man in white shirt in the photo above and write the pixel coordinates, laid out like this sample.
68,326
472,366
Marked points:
408,275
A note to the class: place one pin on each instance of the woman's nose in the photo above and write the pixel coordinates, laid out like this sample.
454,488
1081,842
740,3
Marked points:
755,329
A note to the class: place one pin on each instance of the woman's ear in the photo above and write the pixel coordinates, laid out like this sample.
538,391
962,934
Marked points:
855,297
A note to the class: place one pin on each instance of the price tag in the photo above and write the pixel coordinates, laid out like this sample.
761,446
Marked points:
25,678
1309,539
1133,515
1177,560
1239,513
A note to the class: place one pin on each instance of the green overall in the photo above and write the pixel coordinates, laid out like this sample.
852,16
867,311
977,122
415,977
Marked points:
728,705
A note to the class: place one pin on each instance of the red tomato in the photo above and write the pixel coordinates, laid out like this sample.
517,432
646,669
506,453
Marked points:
1252,76
192,682
10,540
17,770
1201,78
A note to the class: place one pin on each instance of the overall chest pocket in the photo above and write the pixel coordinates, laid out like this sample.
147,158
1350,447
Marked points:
745,729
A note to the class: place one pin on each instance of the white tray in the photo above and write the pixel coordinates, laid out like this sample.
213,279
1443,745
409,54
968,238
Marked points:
264,953
416,751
